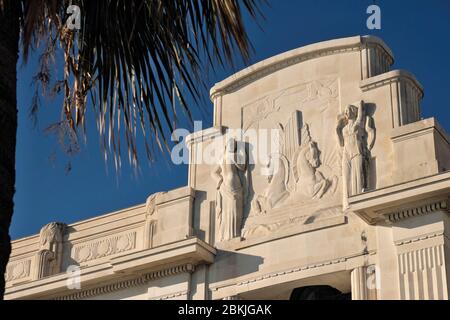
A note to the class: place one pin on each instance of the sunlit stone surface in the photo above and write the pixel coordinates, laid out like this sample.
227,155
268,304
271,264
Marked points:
356,207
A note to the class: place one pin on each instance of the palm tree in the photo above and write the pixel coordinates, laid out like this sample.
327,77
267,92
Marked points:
134,61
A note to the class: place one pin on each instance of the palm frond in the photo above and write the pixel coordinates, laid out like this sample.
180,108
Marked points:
137,61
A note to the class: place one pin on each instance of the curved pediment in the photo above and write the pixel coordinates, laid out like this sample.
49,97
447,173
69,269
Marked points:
289,58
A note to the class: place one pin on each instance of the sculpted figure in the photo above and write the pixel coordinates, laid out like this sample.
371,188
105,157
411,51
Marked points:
49,256
151,203
231,184
277,190
356,136
310,181
51,235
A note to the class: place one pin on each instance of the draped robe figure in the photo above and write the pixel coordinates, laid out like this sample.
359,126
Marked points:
231,184
355,133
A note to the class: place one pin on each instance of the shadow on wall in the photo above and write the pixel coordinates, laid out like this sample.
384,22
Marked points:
370,109
68,260
230,265
318,293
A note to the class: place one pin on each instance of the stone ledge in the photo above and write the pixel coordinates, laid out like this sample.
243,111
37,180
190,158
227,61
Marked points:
166,198
389,77
410,130
418,210
371,206
203,135
190,251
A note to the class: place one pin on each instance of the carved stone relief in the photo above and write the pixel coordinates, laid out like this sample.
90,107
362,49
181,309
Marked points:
150,220
309,181
49,257
308,164
231,185
18,270
356,136
104,247
277,191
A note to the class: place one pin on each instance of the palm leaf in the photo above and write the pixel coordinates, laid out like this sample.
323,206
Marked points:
137,61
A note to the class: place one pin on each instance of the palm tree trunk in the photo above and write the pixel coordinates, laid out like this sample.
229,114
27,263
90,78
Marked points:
9,40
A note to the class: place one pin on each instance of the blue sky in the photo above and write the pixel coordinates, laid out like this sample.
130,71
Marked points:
417,31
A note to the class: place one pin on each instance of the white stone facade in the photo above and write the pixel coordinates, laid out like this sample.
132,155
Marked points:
359,201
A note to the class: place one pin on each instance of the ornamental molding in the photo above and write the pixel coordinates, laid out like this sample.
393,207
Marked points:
204,135
18,270
389,78
287,59
282,65
184,293
420,238
395,216
138,281
282,273
292,270
104,247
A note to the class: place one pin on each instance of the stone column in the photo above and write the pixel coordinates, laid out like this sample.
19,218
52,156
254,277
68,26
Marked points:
359,285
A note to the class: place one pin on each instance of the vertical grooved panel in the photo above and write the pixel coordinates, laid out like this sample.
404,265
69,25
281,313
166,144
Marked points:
422,274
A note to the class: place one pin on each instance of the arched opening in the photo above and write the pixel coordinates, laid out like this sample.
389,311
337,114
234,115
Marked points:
318,293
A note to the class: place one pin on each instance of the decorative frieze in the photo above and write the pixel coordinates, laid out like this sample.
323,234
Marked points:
395,216
104,247
18,270
418,238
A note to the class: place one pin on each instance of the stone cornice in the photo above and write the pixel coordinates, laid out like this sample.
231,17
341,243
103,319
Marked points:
138,281
343,263
203,135
418,128
420,238
395,216
128,268
172,295
269,275
371,206
295,56
391,77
